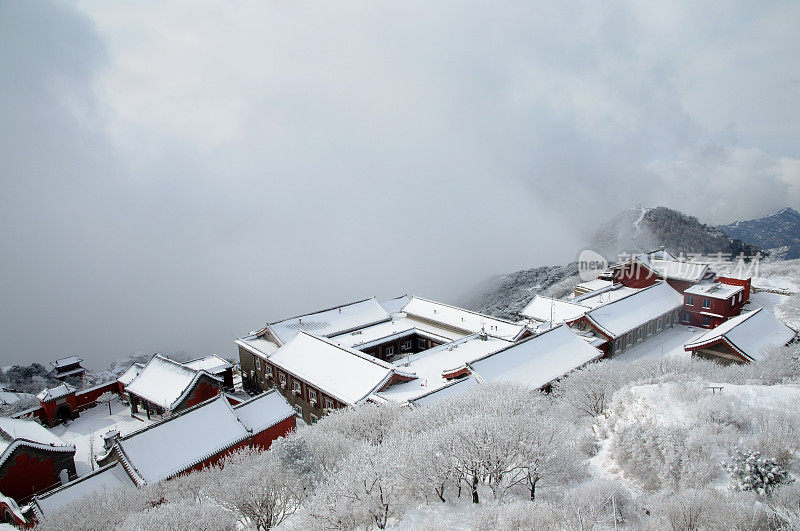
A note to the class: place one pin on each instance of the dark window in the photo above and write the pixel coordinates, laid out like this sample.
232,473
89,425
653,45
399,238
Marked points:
706,320
706,303
422,343
686,317
689,300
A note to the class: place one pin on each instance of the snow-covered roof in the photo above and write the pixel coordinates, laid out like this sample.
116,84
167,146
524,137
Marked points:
212,364
341,372
751,334
594,285
455,388
400,326
332,321
258,345
12,505
111,476
66,362
626,314
677,270
605,296
164,382
162,450
17,432
714,290
431,365
58,391
547,309
396,304
537,361
461,319
264,411
132,372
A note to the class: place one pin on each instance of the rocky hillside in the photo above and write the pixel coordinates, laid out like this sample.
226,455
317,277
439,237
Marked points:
632,230
778,232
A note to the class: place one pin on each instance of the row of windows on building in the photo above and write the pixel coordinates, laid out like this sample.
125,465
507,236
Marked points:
297,386
650,329
707,302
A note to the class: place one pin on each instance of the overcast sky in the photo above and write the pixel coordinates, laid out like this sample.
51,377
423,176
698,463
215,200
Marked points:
176,173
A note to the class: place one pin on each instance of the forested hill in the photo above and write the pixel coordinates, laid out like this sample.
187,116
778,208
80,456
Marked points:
779,232
645,229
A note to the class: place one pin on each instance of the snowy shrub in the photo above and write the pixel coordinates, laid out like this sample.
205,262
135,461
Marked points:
368,423
663,457
785,503
600,504
518,515
707,509
776,433
752,471
104,510
181,516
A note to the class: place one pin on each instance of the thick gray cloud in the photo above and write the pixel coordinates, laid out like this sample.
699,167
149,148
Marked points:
177,173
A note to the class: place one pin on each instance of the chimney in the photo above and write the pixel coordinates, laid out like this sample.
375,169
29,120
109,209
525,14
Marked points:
109,438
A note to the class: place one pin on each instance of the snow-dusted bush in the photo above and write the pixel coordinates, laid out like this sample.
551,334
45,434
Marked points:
104,510
707,509
181,515
752,471
518,515
663,457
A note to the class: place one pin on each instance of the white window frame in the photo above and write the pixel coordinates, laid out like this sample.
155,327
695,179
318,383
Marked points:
389,351
422,344
689,300
282,378
297,387
659,324
707,304
268,370
629,340
312,396
649,329
639,334
618,345
329,403
407,345
258,365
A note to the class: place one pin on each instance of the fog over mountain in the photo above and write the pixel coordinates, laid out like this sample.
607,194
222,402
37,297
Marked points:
175,174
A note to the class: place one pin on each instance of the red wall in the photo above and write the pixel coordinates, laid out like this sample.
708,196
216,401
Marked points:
202,392
28,476
264,439
88,397
635,276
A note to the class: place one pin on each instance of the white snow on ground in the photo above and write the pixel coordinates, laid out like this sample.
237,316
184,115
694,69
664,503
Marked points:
668,343
93,423
779,275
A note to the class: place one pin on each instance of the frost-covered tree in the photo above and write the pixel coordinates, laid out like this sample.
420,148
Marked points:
365,490
547,451
105,400
255,486
752,471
